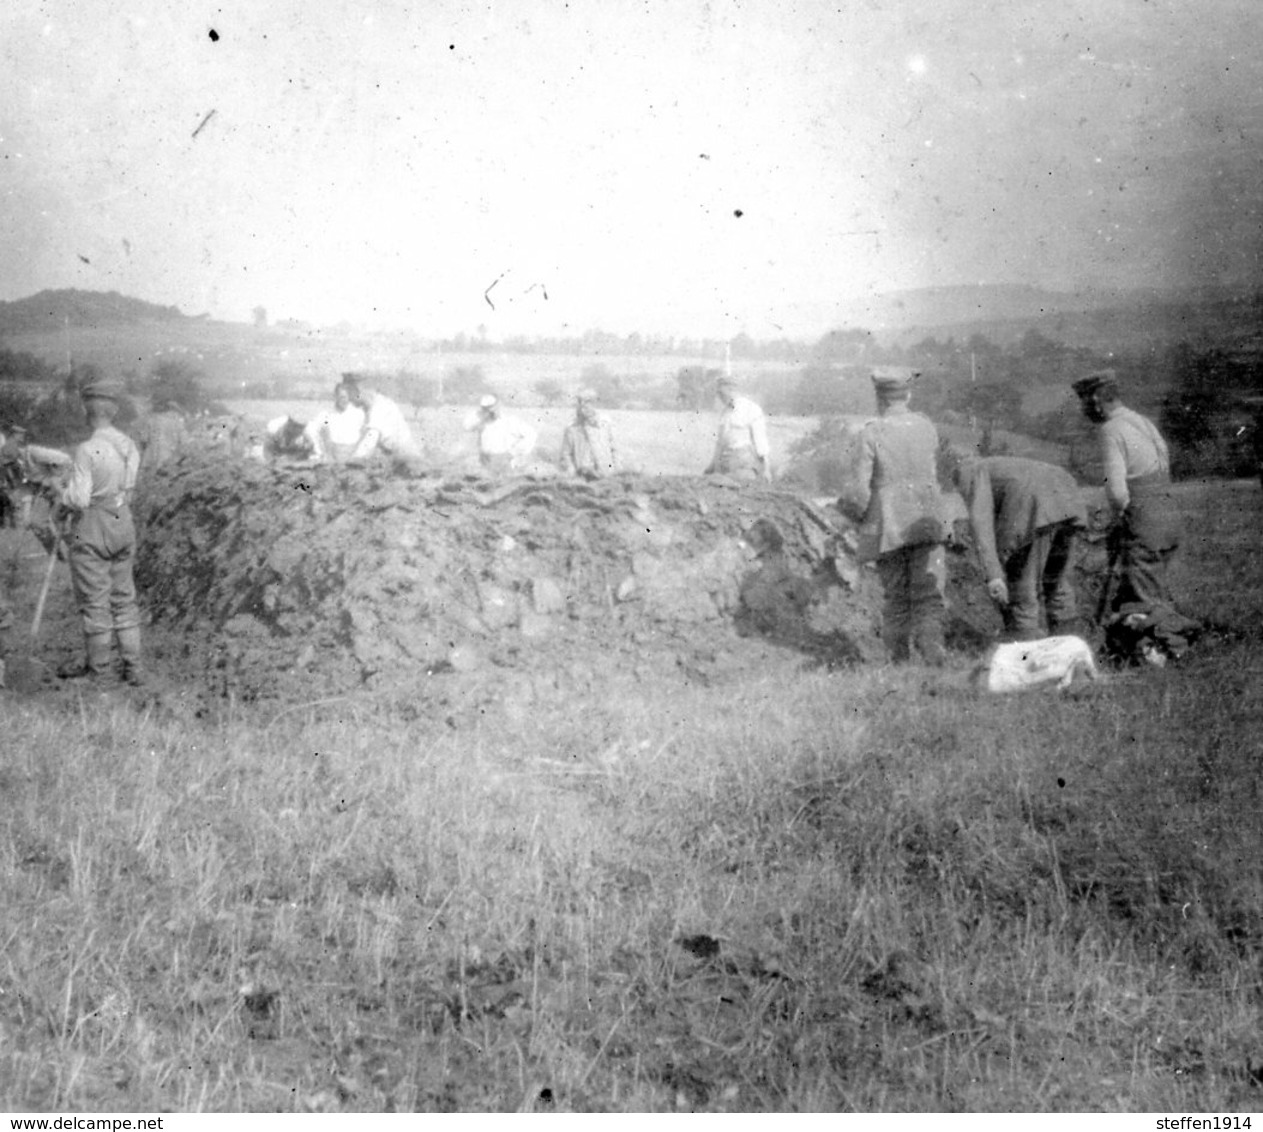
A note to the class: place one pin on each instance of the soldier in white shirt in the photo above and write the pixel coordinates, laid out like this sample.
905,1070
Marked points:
102,539
336,432
741,447
504,444
1147,525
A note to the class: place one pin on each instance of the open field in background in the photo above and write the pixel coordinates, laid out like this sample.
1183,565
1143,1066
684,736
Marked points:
308,364
793,889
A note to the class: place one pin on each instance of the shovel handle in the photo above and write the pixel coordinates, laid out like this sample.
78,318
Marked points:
43,590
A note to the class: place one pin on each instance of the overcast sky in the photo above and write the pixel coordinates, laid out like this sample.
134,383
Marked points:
677,166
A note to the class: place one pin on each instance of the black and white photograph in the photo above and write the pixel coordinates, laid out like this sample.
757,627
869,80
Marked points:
615,556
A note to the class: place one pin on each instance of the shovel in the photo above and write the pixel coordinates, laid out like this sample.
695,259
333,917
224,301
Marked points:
1111,576
26,674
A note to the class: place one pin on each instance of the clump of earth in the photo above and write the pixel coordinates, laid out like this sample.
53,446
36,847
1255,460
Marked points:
296,581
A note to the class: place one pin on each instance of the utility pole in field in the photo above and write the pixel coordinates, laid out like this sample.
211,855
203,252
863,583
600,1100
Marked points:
973,382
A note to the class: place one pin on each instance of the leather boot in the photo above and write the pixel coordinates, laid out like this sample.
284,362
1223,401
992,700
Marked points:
96,660
129,647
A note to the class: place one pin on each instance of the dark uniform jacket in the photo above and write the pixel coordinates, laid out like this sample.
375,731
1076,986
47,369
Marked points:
1010,499
893,490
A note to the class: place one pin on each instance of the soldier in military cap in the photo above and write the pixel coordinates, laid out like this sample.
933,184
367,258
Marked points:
893,493
1138,485
102,538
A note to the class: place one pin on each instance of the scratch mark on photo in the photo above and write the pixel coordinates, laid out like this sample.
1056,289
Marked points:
201,125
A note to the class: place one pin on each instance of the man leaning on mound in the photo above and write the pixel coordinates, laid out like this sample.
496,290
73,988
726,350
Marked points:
386,429
741,446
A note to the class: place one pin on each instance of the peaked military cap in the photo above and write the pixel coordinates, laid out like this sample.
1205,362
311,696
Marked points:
103,389
893,379
1100,381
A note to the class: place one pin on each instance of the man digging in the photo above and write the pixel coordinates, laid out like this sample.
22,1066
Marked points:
1147,529
1026,516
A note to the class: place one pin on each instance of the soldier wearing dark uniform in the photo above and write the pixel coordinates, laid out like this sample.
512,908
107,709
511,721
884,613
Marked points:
1138,486
894,494
102,539
1025,516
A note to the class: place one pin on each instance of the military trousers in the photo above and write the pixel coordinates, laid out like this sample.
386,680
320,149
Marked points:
1041,575
1150,536
914,586
102,552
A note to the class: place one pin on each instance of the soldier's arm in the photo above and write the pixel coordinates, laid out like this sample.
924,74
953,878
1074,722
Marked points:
717,455
78,490
758,438
314,434
854,500
1114,458
982,521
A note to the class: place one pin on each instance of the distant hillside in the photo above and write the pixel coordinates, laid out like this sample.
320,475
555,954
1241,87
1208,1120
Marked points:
1101,320
952,306
51,311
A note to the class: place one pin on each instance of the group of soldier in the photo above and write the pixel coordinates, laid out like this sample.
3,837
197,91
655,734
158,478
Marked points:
1026,515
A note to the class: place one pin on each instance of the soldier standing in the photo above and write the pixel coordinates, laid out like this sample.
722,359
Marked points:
1026,516
162,435
1147,529
587,445
894,494
103,539
741,447
504,444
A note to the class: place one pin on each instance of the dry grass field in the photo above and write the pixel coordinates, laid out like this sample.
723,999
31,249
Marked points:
785,889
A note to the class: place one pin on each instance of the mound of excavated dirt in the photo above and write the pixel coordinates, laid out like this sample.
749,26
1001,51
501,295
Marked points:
306,581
